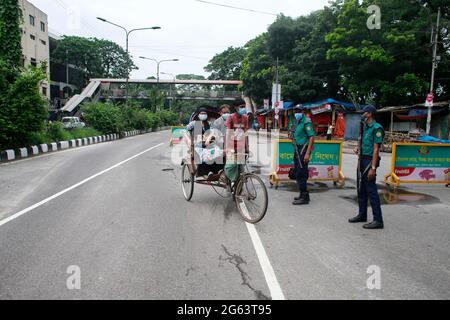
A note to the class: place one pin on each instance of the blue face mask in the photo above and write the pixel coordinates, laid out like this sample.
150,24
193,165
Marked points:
225,116
203,117
299,116
242,111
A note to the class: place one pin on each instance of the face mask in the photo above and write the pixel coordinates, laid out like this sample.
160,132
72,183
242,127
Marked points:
225,116
203,117
364,118
242,111
299,116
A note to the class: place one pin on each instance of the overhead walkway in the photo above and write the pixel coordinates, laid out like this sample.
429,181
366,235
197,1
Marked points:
89,94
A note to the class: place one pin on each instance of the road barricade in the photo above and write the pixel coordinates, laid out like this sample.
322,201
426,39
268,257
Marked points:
325,163
177,135
419,163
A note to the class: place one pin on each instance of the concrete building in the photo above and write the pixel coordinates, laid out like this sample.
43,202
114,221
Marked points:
35,41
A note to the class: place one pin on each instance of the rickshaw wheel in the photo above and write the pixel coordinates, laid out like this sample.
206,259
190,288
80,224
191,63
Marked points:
251,198
187,182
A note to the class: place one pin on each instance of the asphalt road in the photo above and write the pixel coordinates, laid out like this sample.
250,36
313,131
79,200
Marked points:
133,236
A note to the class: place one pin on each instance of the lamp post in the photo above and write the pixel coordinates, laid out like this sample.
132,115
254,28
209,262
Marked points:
170,88
158,63
127,32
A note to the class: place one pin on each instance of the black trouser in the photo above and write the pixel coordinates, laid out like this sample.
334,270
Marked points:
368,190
301,169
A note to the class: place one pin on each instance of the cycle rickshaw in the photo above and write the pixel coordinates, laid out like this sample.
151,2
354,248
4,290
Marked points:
248,192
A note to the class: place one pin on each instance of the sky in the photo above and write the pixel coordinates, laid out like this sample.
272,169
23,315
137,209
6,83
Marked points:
192,31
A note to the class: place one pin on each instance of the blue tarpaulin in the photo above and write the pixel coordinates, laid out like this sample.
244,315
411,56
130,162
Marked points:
317,104
432,139
288,105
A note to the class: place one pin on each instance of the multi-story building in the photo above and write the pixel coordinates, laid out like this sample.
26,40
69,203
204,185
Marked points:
35,40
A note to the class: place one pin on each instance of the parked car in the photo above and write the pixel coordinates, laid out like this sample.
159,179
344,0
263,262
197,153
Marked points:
72,123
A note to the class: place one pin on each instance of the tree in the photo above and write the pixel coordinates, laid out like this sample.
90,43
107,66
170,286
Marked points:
226,65
390,65
258,69
97,58
22,108
10,33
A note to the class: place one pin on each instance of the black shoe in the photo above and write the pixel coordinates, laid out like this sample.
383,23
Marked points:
374,225
305,195
358,219
302,200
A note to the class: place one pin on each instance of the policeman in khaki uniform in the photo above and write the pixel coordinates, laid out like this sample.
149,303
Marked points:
372,138
303,136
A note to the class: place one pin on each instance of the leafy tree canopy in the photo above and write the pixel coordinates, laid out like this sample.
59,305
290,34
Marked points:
97,58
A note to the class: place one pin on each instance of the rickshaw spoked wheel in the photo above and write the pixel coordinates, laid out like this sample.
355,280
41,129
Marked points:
187,182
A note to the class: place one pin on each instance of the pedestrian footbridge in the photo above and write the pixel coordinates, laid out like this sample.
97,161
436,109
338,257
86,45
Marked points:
115,90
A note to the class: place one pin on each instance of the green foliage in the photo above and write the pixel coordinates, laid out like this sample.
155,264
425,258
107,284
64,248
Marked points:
97,58
108,118
22,108
258,69
55,132
332,53
226,65
80,133
10,33
104,117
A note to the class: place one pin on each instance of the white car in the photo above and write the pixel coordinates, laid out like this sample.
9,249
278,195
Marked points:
72,122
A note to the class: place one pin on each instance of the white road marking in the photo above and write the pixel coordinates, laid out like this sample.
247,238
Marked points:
37,205
271,279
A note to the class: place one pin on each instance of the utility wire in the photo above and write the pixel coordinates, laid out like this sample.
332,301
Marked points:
237,8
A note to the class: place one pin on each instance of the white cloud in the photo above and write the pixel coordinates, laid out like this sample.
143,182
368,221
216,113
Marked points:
191,31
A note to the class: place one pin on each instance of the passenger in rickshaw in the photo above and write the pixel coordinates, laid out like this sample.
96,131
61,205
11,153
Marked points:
207,155
219,128
236,143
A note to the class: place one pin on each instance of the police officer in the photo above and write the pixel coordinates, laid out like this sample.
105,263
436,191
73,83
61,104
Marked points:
303,136
372,138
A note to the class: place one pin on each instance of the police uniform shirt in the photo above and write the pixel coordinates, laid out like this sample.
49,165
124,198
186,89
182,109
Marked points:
373,134
303,131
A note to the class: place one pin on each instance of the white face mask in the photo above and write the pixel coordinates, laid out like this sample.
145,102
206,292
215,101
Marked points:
225,116
203,117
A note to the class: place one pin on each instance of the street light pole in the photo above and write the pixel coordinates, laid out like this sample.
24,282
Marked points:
170,89
127,33
433,69
158,63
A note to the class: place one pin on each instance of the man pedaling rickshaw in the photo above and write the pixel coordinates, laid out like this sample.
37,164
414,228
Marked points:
236,143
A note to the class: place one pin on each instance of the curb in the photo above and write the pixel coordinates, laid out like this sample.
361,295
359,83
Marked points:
28,152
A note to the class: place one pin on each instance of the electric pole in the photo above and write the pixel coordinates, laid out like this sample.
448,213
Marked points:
433,69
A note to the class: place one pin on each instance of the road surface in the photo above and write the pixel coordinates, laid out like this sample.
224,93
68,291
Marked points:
116,211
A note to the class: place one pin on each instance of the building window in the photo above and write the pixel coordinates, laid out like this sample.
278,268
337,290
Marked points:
43,42
42,26
33,62
31,20
44,91
32,37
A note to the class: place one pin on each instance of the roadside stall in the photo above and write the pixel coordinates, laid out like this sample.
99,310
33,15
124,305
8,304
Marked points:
329,112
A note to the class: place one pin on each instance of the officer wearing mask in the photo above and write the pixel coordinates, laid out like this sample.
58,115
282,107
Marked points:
303,136
369,160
